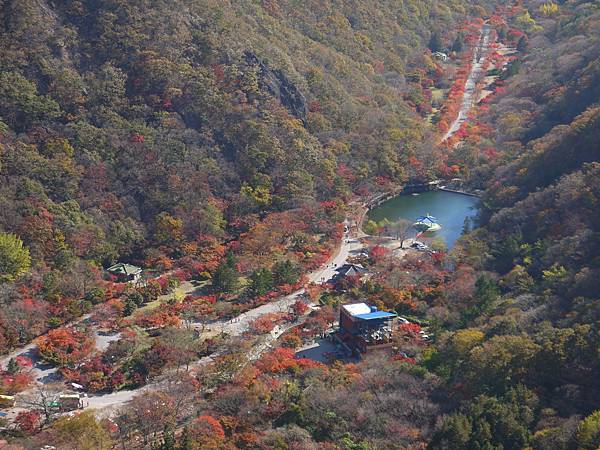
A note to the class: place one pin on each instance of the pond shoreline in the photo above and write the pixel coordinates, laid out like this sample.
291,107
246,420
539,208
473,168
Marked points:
452,207
458,191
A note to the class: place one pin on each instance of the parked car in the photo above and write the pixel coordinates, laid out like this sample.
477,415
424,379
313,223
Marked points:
402,320
418,245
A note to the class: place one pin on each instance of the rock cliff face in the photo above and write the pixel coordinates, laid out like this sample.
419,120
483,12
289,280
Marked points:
277,84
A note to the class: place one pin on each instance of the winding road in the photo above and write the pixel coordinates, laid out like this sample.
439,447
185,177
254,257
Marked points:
44,373
240,324
237,326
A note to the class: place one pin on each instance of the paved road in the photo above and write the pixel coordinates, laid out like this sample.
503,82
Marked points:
239,325
236,327
479,58
43,373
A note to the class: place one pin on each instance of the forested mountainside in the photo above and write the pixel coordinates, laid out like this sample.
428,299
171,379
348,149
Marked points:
527,351
221,144
143,130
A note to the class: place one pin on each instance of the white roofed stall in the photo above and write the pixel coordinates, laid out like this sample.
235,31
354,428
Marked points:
355,309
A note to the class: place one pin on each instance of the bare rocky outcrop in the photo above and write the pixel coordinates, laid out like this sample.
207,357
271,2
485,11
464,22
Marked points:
279,86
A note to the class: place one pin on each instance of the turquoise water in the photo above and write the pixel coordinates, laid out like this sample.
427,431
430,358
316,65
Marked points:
449,208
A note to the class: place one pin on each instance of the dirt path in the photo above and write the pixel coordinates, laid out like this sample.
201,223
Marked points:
480,55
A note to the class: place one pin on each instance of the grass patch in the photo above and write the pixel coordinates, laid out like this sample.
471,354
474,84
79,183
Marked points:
438,94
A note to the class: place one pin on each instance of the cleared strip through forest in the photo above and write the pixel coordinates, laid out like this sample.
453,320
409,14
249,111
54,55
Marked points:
480,54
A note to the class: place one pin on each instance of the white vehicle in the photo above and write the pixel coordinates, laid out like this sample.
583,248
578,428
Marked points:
418,245
402,320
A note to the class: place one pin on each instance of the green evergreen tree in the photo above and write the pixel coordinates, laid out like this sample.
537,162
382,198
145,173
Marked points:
458,44
14,257
588,432
522,44
230,259
168,441
454,433
12,367
486,291
467,225
129,306
506,253
285,272
435,42
371,227
226,277
502,34
261,282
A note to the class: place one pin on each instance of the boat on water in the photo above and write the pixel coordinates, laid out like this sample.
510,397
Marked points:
426,223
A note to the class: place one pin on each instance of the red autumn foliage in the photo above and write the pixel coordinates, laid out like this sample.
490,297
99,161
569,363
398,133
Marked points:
411,331
95,375
299,308
163,282
348,282
24,361
207,430
28,421
282,359
167,316
276,361
403,358
64,346
330,204
267,322
378,252
210,299
291,340
218,72
12,384
314,106
345,172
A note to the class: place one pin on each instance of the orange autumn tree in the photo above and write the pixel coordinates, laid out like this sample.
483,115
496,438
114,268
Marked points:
267,322
207,431
65,346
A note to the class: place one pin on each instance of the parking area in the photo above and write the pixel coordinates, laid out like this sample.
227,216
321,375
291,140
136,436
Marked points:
324,350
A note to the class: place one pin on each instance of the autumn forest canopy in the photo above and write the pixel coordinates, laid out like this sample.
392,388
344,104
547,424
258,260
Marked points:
223,147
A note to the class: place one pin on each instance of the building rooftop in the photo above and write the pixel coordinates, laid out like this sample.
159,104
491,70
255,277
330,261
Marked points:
365,312
357,308
124,269
375,315
351,270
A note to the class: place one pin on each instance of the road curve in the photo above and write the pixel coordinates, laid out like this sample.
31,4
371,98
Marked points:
239,325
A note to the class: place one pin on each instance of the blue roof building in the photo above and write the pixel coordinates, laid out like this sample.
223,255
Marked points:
364,327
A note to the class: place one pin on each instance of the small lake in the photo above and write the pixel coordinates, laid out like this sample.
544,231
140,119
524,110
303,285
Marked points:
449,208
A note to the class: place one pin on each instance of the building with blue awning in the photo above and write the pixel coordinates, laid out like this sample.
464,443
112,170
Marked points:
365,328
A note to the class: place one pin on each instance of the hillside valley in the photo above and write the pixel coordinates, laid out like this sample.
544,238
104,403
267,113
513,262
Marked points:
185,189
